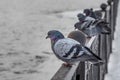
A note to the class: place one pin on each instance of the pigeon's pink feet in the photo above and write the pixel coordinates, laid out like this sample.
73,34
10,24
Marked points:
67,65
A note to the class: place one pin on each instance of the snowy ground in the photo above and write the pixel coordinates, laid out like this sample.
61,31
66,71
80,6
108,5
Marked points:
25,54
114,62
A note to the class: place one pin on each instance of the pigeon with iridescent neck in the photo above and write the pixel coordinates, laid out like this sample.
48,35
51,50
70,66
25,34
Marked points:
69,50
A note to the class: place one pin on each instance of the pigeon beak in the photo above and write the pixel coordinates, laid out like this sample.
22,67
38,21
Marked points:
47,37
75,28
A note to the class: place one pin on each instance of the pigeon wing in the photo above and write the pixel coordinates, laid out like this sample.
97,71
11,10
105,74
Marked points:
67,48
92,54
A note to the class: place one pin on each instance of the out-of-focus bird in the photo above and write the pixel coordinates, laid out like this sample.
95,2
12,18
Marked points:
90,12
70,50
78,36
81,17
91,26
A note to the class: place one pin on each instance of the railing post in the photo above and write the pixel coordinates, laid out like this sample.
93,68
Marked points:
80,73
115,7
103,48
110,19
92,71
96,69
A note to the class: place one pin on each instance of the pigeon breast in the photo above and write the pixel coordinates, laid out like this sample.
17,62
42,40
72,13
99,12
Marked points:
62,48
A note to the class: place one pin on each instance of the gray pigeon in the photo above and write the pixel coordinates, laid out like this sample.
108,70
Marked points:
92,27
70,50
90,12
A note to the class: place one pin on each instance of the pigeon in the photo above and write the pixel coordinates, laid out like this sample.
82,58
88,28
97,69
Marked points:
92,27
98,14
69,50
78,36
81,17
90,12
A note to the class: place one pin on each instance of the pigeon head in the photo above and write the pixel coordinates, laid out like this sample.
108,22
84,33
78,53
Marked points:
78,25
54,35
81,17
87,12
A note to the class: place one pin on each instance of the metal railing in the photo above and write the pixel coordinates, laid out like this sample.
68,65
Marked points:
101,45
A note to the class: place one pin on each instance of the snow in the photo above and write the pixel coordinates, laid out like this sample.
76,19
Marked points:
25,54
114,62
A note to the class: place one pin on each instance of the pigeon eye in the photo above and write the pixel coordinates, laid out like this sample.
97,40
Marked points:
49,33
58,36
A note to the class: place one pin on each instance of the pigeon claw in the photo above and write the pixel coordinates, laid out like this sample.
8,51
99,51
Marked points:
67,65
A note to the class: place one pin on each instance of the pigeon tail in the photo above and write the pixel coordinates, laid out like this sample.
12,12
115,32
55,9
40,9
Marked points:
95,57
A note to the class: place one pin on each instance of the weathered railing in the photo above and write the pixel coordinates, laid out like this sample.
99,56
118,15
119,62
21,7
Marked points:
101,45
74,72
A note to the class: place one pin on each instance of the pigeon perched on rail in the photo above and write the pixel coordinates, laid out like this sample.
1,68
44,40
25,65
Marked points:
91,26
90,12
78,36
70,50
